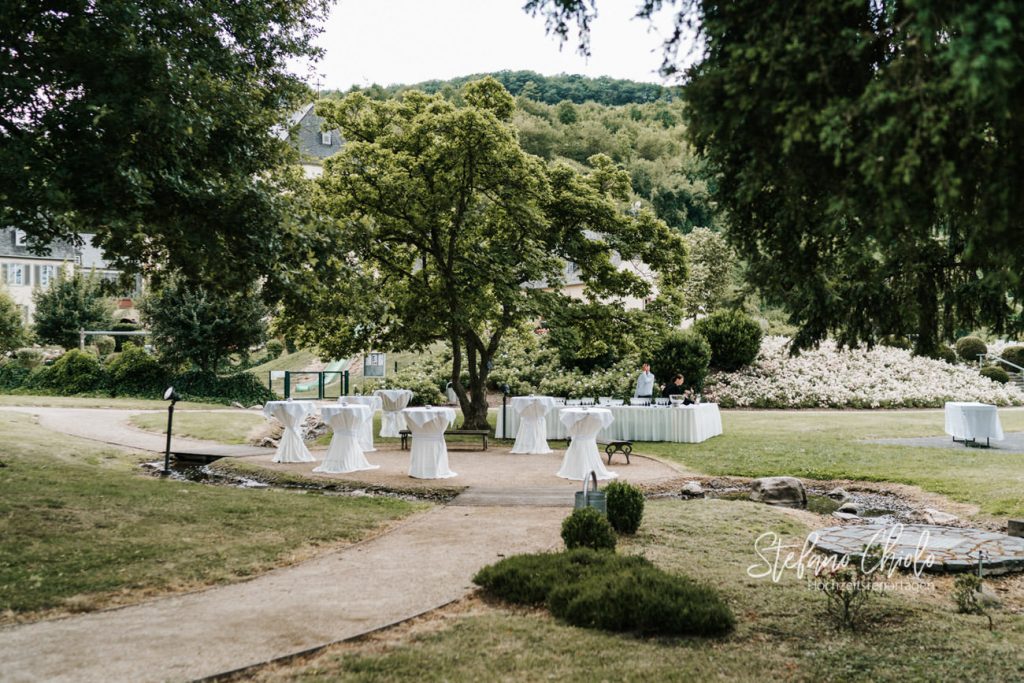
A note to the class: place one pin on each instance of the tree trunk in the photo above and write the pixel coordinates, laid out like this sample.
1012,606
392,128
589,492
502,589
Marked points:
472,396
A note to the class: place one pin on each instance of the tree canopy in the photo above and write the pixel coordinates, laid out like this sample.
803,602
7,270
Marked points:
68,305
869,156
442,228
150,123
12,330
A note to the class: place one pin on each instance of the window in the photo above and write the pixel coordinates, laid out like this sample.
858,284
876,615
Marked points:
19,238
15,274
46,275
325,137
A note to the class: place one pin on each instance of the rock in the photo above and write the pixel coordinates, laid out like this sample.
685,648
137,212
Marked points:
849,509
933,516
838,493
236,404
255,407
692,489
784,491
844,515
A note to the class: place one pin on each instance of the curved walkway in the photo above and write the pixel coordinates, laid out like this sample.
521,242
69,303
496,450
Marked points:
423,563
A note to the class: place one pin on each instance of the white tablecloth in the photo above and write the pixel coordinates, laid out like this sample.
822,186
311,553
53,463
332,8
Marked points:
532,436
290,414
973,421
429,454
683,424
345,453
393,402
366,431
582,456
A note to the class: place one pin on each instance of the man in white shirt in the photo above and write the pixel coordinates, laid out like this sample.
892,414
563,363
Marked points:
645,382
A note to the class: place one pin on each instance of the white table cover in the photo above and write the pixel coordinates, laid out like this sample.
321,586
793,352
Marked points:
682,424
290,414
532,436
393,402
428,458
366,431
582,456
973,421
345,454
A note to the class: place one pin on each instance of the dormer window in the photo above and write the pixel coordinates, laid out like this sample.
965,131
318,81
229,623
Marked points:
325,137
19,238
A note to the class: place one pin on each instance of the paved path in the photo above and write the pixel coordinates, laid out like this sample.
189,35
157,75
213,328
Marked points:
424,563
1013,443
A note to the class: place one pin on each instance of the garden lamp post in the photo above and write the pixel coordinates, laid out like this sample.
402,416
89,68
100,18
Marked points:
505,391
172,396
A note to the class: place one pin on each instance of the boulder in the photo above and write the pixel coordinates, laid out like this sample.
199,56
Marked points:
838,493
784,491
236,404
844,515
933,516
849,509
692,489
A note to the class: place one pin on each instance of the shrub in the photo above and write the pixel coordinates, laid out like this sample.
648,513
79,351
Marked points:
1014,354
134,372
896,342
995,374
274,349
105,344
30,358
686,352
243,388
945,353
76,372
625,506
643,599
588,528
13,375
968,348
735,339
529,579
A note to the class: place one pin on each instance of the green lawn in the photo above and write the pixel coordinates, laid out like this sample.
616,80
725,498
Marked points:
782,632
829,445
81,528
84,402
231,428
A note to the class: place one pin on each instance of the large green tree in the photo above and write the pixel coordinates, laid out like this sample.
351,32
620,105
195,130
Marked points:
441,228
193,323
12,330
68,305
151,123
870,156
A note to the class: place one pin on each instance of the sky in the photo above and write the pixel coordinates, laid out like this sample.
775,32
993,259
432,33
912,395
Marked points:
408,41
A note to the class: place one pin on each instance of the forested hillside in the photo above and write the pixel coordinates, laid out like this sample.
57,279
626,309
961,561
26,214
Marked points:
639,125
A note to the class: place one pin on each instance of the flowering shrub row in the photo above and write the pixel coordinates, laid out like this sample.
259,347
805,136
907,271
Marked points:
827,377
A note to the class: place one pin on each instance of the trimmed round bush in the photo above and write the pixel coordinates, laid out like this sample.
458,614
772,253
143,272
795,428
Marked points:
625,506
896,342
968,348
104,344
76,372
1014,354
735,339
686,352
274,348
945,353
588,528
642,599
136,373
995,374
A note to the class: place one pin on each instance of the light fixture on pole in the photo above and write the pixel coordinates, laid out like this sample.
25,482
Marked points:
172,396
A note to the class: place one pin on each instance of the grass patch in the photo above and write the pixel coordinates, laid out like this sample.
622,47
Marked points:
80,526
231,428
830,445
38,401
782,632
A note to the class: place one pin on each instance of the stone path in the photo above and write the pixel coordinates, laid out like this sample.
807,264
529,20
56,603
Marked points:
952,549
515,506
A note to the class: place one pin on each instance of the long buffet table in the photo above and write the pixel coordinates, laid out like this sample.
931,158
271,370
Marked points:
682,424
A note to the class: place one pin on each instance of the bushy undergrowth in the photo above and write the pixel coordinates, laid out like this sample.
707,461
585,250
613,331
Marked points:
588,528
995,374
607,591
685,352
133,372
625,506
244,387
734,337
969,348
828,377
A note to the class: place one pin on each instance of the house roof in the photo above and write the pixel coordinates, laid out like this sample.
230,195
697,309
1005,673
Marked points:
9,247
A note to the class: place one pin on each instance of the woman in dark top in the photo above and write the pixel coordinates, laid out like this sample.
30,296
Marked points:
675,388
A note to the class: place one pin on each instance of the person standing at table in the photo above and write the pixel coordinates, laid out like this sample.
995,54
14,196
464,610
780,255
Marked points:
645,382
675,388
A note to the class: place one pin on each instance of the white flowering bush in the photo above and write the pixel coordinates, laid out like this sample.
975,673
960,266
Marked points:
828,377
616,382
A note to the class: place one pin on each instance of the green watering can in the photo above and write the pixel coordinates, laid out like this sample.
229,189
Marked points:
591,499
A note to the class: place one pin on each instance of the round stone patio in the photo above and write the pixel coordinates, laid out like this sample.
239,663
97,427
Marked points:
951,549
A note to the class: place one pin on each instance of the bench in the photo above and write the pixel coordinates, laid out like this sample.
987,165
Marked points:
612,447
406,435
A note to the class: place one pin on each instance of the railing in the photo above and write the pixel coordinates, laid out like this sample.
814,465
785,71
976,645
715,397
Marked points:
982,357
317,383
